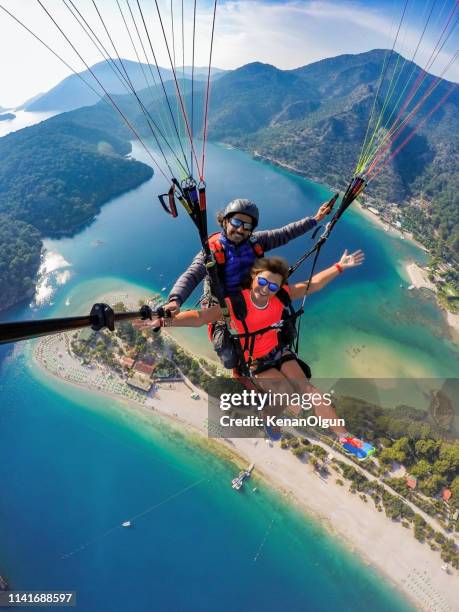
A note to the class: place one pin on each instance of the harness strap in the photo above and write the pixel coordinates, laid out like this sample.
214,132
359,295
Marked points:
263,330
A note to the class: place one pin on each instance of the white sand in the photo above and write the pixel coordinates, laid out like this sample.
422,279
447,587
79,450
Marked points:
392,549
419,277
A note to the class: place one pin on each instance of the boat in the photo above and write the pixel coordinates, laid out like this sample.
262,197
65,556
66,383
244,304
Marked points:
237,482
67,302
163,288
411,287
126,524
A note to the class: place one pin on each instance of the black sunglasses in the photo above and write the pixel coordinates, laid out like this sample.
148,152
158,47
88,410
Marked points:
235,222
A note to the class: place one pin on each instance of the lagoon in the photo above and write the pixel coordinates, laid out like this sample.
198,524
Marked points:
74,466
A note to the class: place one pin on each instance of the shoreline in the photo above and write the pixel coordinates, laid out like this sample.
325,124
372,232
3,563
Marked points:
342,514
452,319
419,280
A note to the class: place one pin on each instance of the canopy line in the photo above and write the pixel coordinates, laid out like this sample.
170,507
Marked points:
204,135
179,94
162,82
399,129
107,99
366,147
192,78
163,126
413,132
165,122
407,82
123,78
142,106
414,90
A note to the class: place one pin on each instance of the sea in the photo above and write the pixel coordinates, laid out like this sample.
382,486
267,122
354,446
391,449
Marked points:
75,465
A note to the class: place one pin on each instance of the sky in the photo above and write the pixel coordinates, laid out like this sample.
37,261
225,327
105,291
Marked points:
286,34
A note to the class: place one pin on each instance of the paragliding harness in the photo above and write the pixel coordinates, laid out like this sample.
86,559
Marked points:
193,198
218,250
229,345
219,333
286,329
290,325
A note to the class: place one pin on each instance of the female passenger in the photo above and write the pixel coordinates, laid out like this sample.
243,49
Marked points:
274,367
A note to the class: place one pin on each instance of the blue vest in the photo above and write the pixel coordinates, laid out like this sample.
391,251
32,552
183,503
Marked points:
239,259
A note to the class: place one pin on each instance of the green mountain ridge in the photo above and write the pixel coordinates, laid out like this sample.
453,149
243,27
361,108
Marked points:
54,178
72,93
313,120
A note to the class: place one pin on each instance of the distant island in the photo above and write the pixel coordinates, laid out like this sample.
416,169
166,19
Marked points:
54,178
7,117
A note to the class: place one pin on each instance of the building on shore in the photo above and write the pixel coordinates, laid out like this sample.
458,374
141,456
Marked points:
127,362
147,369
140,382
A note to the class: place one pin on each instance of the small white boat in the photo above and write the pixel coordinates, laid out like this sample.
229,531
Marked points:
126,524
67,302
163,288
237,482
411,287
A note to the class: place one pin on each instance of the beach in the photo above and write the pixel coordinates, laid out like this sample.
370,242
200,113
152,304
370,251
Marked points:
386,545
417,275
419,280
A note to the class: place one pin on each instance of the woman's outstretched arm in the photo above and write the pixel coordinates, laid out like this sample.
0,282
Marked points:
319,280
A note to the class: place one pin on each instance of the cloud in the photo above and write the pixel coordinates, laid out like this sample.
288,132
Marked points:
285,34
292,34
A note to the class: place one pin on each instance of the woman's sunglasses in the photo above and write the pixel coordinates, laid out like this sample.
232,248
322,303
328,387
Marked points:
235,222
262,282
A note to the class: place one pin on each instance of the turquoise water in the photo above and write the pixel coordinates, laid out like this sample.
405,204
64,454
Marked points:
404,334
73,466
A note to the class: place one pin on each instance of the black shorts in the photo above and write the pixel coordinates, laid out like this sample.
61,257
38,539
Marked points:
274,359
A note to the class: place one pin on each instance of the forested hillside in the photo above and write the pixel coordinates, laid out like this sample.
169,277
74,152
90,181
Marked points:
54,177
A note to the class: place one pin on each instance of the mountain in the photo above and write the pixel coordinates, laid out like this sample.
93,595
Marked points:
30,101
313,120
54,178
247,99
73,92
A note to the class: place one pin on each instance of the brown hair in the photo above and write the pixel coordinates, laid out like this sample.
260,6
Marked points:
274,264
220,218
